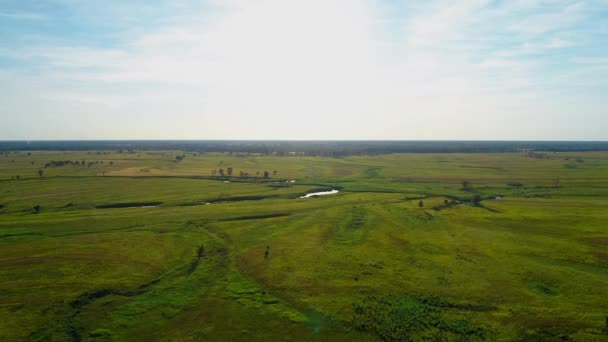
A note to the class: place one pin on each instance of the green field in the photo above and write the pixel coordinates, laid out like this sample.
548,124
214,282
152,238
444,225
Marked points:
140,246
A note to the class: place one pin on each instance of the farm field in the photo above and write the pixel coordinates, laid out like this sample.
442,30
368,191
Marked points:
158,245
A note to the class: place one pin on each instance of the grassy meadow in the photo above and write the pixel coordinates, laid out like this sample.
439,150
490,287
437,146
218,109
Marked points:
142,246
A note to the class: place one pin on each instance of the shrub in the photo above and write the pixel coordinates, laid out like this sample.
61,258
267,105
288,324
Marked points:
476,200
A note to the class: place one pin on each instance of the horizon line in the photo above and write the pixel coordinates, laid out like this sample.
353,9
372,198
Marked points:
301,140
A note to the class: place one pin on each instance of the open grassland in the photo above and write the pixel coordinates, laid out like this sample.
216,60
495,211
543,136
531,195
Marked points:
142,246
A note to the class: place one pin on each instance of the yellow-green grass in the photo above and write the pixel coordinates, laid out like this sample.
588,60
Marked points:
367,263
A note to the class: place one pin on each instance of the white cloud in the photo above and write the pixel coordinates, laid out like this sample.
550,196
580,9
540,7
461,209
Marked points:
22,16
443,21
308,69
551,18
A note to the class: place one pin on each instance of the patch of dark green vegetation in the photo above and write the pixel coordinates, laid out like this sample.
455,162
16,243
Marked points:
60,163
243,179
557,333
254,217
452,200
19,235
200,253
410,318
241,198
373,191
476,202
279,185
129,205
413,198
358,217
236,199
543,288
90,296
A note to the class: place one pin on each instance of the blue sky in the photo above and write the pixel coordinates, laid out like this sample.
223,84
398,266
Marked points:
315,69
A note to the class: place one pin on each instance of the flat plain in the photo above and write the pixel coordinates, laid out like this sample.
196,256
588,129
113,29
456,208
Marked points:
440,247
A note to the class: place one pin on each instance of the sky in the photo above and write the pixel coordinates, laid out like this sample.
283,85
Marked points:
310,69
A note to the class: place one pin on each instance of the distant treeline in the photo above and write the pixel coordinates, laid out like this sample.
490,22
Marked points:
331,148
60,163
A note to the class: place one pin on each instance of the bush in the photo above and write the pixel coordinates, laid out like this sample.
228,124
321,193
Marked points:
402,318
476,200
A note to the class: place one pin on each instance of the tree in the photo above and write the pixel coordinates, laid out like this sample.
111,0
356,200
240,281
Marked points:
274,172
40,172
111,163
476,199
221,171
229,171
17,177
466,185
37,208
266,174
420,204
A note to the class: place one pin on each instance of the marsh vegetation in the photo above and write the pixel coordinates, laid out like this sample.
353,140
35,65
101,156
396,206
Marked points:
121,246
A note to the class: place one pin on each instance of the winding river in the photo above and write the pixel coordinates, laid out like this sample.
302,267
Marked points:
320,193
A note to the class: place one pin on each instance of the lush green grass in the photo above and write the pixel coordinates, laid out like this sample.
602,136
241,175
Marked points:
366,263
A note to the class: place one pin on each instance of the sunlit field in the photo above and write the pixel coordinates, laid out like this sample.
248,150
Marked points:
439,247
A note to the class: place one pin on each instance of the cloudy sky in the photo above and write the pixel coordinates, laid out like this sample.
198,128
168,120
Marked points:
310,69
